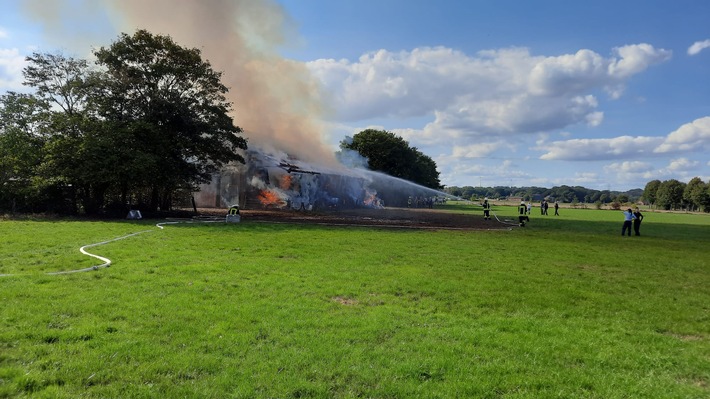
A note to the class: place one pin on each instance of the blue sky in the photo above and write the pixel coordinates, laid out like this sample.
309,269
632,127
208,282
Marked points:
602,94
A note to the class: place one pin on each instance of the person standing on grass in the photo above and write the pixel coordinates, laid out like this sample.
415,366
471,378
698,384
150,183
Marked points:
529,208
557,206
522,217
628,218
547,205
486,210
542,207
638,217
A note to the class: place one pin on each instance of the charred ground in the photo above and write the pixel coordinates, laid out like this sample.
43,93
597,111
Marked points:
388,217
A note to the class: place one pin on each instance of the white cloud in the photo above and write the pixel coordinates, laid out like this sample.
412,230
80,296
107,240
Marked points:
598,149
495,92
569,73
632,59
682,165
682,169
594,118
631,172
697,47
11,65
629,167
480,150
636,58
691,137
585,177
694,136
637,172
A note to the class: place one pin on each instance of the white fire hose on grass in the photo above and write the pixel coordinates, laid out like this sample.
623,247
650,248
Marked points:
107,261
505,221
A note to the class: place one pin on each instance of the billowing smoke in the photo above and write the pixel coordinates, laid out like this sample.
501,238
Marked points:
276,101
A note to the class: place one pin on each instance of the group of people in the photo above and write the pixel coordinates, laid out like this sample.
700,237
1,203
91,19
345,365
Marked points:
544,205
523,211
632,218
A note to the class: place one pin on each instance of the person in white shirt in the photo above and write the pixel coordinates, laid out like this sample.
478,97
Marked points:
628,219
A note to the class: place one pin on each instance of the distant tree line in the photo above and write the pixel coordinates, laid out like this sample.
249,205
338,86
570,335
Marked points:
669,194
148,122
569,194
675,195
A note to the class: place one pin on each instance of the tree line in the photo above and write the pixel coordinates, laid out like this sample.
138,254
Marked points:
563,193
147,121
676,195
669,194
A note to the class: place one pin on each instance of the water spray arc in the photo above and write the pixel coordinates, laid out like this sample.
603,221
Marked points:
280,181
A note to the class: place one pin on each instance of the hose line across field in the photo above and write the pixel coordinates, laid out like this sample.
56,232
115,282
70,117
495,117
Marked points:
106,261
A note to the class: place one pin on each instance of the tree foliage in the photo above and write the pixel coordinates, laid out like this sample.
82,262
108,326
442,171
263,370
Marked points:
388,153
696,194
170,105
22,138
149,121
649,192
670,194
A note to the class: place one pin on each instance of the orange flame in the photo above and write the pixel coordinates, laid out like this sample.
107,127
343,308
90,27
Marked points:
267,198
371,199
285,182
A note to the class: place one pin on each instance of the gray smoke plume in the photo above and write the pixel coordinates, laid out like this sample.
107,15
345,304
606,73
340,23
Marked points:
276,101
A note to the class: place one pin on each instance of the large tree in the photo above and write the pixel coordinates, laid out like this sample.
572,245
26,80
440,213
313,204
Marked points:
150,120
650,191
670,194
388,153
696,193
170,106
23,126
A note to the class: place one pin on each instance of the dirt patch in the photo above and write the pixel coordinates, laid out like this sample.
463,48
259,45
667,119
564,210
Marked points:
345,301
388,217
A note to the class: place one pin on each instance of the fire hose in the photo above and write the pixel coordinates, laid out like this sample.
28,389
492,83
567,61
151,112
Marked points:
107,261
504,221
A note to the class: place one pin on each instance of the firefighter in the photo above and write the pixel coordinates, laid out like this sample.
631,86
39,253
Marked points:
522,217
486,209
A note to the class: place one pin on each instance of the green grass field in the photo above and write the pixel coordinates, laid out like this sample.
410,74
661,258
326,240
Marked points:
563,308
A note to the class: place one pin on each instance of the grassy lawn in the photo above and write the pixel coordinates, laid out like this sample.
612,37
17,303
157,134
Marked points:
563,308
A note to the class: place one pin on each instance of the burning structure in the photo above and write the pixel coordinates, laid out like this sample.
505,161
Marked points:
281,182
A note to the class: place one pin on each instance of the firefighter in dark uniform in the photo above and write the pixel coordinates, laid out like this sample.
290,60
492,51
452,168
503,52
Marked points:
522,216
486,210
